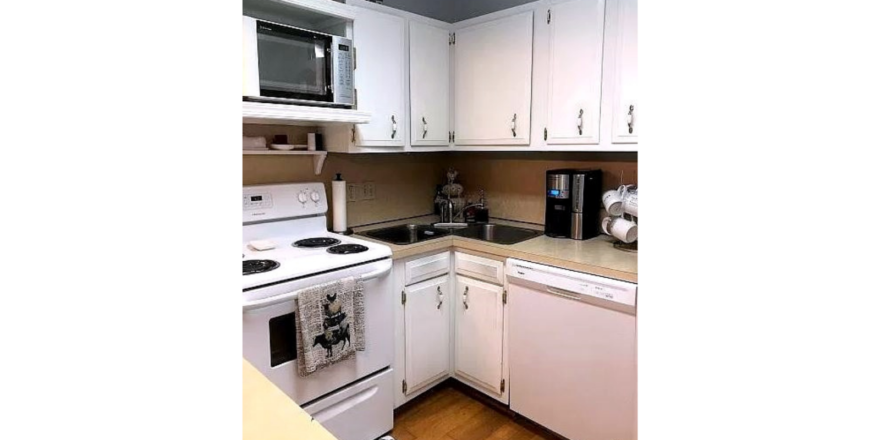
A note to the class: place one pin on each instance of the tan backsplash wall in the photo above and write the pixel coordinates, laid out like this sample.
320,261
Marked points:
515,182
405,183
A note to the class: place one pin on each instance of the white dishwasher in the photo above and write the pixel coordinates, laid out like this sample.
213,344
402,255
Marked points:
572,343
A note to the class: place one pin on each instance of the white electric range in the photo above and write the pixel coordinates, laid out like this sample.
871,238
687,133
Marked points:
352,399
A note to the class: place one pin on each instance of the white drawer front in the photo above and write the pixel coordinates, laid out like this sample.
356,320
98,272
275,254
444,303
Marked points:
359,412
480,268
426,268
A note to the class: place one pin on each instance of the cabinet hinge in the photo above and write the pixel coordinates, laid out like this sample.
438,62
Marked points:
545,133
453,136
502,385
403,297
355,56
404,386
355,98
352,134
504,297
548,16
453,38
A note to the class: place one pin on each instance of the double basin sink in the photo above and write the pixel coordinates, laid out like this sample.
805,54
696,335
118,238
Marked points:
409,234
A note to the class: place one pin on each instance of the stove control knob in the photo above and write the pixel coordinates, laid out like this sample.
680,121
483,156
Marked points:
303,197
315,196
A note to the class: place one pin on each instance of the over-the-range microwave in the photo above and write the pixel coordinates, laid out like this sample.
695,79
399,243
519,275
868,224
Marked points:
296,66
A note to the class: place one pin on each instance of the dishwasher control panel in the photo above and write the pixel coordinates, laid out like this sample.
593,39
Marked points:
570,283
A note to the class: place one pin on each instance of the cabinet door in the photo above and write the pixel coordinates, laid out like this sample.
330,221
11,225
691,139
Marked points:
429,84
576,35
625,116
638,368
479,324
493,82
426,315
379,78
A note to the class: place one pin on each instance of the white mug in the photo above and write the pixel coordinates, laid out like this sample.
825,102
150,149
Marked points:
621,229
613,201
631,204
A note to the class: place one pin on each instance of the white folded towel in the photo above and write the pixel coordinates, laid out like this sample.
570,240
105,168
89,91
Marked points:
254,143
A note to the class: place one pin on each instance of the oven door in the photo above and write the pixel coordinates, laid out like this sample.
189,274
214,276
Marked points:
294,64
269,334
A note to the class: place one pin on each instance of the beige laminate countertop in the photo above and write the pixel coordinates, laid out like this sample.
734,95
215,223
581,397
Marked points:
596,256
270,415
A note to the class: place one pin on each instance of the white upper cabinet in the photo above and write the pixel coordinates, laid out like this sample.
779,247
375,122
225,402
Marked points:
575,74
623,27
429,79
379,78
493,81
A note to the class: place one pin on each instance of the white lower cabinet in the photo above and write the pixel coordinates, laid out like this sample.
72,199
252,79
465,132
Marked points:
426,323
637,428
480,320
451,324
479,334
423,324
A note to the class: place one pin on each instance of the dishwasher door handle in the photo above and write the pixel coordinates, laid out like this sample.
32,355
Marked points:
565,293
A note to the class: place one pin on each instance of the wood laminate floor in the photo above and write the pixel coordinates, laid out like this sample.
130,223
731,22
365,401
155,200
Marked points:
449,414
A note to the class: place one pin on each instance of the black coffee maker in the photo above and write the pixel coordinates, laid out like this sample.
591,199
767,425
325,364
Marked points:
574,198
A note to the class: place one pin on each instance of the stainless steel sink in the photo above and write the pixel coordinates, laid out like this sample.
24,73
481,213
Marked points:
500,234
407,234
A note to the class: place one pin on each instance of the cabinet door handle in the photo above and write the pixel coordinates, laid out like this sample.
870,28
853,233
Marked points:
513,125
465,298
629,118
439,297
393,127
424,127
581,123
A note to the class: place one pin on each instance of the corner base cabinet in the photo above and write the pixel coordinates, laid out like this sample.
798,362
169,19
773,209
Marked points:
480,322
479,333
423,324
426,317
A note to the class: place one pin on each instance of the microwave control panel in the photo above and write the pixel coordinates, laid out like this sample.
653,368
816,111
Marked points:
344,77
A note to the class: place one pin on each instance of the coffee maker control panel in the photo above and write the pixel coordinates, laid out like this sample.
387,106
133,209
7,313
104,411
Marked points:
558,186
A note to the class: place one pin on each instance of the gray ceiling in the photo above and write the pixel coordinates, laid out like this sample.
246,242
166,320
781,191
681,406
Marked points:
453,10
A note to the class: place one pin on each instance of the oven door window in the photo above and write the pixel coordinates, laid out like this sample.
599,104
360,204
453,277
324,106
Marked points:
282,339
293,64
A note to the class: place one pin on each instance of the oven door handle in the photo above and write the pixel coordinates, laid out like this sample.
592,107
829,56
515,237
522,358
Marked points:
272,300
385,268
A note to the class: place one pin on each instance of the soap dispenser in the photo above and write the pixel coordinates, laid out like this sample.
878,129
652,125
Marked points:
482,215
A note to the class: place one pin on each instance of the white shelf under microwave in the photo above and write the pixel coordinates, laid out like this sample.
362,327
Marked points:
285,114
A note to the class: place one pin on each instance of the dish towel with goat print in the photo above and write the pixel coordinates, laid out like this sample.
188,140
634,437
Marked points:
329,324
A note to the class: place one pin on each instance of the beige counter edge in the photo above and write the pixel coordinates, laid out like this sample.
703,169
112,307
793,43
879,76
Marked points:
270,415
600,245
